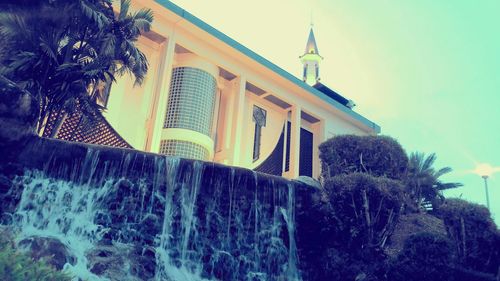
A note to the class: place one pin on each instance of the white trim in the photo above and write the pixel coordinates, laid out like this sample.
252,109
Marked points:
190,136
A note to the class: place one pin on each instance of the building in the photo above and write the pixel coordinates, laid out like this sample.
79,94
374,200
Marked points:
208,97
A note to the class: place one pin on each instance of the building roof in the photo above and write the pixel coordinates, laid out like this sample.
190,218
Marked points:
311,46
331,93
249,53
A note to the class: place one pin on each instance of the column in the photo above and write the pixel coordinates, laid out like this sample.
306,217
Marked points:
188,121
162,90
238,121
295,121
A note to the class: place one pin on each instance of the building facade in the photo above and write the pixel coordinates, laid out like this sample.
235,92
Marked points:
208,97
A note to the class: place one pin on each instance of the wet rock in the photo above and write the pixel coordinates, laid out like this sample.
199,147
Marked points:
150,225
108,261
10,195
51,250
223,264
5,184
144,262
122,262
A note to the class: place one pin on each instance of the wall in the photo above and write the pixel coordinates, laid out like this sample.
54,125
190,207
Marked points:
129,105
275,120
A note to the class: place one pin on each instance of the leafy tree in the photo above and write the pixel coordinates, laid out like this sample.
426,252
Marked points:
375,155
425,256
474,234
422,179
365,208
66,50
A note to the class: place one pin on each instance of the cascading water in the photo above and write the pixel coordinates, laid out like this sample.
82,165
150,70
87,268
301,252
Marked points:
148,217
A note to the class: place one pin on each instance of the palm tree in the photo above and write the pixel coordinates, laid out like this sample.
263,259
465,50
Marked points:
65,49
422,180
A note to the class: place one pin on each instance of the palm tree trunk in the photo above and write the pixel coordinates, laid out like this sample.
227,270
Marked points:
61,117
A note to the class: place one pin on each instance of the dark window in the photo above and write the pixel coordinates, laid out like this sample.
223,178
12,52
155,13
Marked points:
273,164
287,156
306,153
259,117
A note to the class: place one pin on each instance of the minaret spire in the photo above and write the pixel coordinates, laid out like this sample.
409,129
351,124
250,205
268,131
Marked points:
310,59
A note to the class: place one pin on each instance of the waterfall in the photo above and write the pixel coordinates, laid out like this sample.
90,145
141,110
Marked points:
135,216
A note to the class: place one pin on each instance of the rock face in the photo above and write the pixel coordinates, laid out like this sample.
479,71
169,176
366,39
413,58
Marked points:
127,215
51,250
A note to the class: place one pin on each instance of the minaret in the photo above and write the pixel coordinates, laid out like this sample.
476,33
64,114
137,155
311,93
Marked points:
310,59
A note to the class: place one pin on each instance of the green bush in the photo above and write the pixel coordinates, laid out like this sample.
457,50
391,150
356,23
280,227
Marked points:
376,155
474,234
425,256
16,266
365,208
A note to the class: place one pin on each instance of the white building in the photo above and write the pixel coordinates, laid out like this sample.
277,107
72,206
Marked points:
208,97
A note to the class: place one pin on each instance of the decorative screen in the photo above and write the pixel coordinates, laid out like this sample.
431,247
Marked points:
191,100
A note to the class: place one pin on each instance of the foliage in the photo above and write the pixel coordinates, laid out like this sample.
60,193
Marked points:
422,180
425,256
365,208
66,50
376,155
368,182
16,266
474,234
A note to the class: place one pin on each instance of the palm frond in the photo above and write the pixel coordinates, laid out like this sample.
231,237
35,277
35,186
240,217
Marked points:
443,171
429,161
124,7
448,185
94,14
142,20
14,27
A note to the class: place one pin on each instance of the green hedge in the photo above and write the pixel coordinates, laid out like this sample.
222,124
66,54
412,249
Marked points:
425,257
474,233
365,208
376,155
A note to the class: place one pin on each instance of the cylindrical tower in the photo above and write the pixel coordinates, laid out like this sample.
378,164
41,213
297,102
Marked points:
190,109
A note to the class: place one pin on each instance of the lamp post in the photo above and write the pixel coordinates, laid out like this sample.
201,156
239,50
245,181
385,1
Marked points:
485,177
485,171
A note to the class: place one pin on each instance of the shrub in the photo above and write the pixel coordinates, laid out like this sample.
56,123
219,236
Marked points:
425,256
376,155
473,233
365,208
16,266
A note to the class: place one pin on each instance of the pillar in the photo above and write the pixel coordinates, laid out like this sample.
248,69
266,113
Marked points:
158,114
295,120
188,121
239,121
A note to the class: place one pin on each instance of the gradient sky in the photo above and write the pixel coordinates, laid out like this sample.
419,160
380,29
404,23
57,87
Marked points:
427,71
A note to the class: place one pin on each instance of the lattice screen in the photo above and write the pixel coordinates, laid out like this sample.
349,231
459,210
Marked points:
79,127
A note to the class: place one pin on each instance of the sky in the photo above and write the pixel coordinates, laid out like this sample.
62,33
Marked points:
427,72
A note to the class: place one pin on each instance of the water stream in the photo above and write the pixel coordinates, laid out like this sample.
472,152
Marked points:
158,218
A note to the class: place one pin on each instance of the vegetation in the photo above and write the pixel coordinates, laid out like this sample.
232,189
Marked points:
378,156
474,234
365,208
368,184
425,257
422,180
17,266
66,50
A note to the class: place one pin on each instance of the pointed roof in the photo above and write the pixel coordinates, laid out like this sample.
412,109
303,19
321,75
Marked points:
311,46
